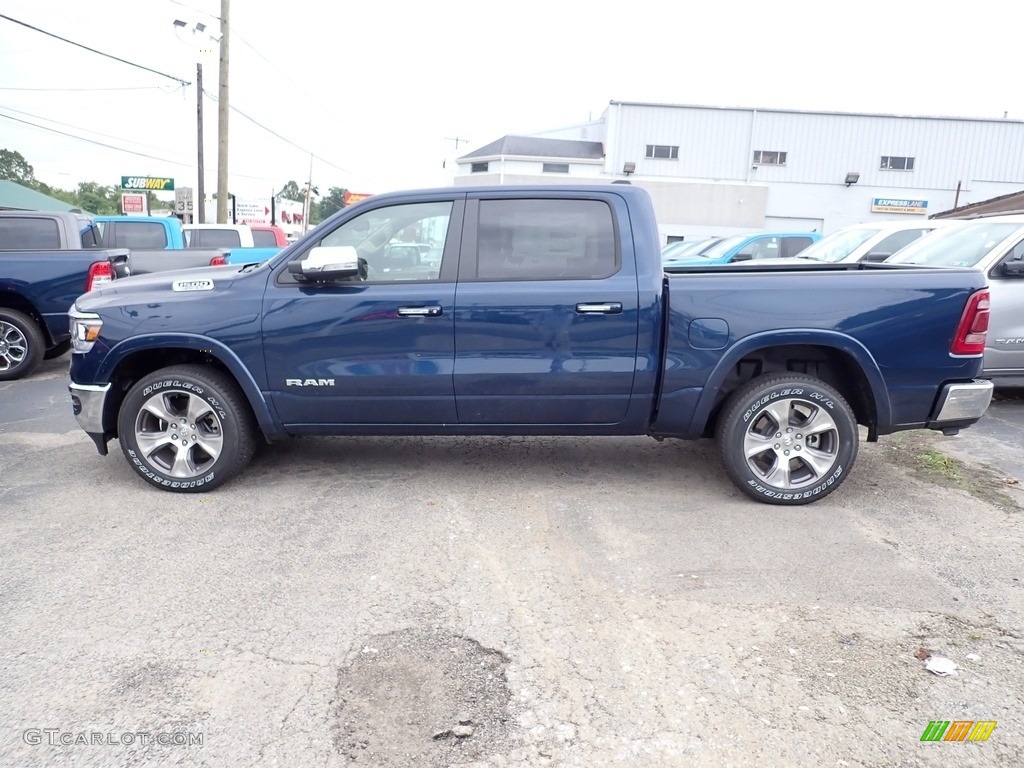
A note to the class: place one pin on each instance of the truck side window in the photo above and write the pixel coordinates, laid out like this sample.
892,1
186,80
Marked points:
545,240
897,240
28,234
399,242
791,246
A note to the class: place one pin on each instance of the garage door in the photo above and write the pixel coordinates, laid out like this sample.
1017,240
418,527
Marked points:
792,224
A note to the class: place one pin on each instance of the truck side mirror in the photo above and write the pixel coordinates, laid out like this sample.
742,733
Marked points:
1014,268
876,256
326,263
748,256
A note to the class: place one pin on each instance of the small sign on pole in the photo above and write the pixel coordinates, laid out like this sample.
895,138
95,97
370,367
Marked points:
183,201
133,204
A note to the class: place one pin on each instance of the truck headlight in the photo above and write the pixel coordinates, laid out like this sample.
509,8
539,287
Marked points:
85,329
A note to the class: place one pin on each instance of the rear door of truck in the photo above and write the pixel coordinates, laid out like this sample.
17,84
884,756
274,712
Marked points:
546,310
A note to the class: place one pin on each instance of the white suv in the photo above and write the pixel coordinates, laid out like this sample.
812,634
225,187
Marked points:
874,241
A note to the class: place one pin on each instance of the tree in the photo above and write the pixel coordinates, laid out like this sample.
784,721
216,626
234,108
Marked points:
14,167
329,204
98,199
292,191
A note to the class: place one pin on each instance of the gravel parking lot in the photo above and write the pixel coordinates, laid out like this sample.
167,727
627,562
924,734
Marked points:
503,602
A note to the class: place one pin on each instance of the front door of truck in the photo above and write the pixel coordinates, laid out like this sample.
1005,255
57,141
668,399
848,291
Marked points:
546,312
377,348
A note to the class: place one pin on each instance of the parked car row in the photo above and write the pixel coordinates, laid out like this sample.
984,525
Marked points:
992,243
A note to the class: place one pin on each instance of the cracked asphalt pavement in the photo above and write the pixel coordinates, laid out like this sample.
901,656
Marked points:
498,602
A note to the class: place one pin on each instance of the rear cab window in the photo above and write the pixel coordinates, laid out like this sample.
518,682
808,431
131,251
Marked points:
29,233
214,238
262,238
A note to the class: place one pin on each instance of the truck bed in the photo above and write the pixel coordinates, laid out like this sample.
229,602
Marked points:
724,312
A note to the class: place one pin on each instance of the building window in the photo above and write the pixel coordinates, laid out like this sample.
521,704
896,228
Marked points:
479,167
556,167
764,157
891,163
662,152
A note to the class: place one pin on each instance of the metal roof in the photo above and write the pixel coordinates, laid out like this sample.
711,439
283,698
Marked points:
1011,203
531,146
14,196
816,112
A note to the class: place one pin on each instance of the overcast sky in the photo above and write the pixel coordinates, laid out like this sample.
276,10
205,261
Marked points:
377,88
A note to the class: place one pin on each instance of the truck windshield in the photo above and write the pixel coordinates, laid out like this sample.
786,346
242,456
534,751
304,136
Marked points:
838,245
717,251
961,245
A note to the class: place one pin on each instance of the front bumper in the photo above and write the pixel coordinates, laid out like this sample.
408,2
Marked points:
87,402
961,404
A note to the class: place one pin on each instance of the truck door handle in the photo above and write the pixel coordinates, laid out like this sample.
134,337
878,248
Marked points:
433,311
607,308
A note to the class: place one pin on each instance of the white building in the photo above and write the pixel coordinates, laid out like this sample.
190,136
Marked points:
714,170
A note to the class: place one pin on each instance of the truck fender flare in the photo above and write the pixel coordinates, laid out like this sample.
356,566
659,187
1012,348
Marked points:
150,341
801,337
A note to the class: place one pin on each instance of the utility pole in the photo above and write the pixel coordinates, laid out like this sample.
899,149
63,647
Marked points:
222,116
309,190
199,205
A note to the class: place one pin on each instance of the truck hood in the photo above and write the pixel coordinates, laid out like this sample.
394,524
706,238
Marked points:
164,286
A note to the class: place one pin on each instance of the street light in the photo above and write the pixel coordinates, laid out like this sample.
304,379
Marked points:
198,28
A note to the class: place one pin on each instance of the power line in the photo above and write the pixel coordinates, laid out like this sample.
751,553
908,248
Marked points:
77,127
271,131
90,90
91,141
125,151
93,50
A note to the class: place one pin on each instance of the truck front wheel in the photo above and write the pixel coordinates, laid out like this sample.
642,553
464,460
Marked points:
787,439
21,344
186,428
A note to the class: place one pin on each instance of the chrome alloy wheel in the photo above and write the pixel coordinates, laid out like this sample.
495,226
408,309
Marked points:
791,443
13,346
179,434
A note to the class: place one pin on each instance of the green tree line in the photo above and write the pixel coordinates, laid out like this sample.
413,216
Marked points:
106,200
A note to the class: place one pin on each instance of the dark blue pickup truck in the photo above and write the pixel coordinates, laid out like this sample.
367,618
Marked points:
46,261
548,313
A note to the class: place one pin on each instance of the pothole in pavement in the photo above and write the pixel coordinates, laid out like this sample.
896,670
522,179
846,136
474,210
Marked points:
423,698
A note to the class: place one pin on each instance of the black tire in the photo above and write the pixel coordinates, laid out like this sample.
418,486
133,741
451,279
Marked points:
221,412
57,351
816,465
22,344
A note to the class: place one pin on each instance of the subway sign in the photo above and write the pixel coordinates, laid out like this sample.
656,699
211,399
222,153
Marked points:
150,183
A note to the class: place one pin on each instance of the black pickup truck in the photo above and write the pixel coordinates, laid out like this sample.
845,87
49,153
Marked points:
47,260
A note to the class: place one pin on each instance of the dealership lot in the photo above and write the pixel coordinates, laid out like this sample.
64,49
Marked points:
503,602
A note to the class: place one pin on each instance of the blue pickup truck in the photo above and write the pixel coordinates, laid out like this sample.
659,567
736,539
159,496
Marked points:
46,261
548,313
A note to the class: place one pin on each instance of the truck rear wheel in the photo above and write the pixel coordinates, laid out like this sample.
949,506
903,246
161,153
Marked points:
22,344
787,439
186,428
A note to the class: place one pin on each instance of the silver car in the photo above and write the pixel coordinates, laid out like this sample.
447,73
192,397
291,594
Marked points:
995,245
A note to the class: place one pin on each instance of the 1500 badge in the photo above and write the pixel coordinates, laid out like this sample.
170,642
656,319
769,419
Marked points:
309,382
